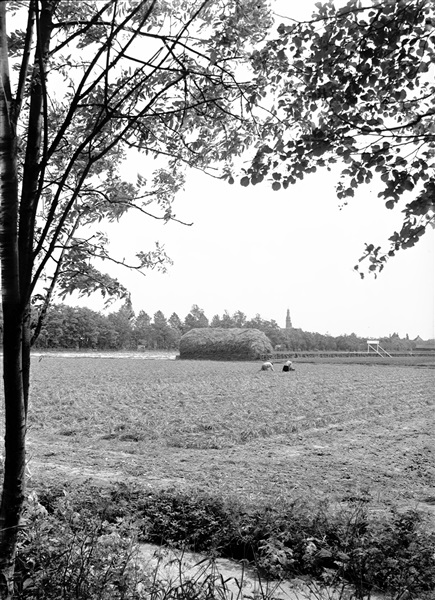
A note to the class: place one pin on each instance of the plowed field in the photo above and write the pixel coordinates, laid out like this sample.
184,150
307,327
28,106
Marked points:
336,431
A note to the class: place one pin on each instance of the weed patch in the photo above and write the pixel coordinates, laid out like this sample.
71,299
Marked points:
394,554
74,555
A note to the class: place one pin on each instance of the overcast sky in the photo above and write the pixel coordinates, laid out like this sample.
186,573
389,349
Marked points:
259,251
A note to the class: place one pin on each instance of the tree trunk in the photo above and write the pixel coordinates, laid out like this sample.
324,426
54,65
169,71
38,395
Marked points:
31,179
16,253
15,418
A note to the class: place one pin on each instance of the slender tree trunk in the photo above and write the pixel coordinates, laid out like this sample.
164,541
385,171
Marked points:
12,498
31,177
17,224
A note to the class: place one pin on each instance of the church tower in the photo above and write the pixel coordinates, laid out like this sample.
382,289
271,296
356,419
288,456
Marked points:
288,321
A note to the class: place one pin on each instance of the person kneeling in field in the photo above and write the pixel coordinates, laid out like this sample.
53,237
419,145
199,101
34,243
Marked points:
288,366
267,366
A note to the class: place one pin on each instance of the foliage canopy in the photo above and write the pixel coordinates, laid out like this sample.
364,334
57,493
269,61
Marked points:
115,77
354,87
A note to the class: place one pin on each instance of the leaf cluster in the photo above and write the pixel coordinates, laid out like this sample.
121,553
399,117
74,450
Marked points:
353,89
99,82
73,554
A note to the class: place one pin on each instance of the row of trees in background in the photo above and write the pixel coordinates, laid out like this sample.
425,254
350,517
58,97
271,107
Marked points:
82,328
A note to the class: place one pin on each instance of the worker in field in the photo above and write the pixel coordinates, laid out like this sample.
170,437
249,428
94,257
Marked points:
267,366
288,366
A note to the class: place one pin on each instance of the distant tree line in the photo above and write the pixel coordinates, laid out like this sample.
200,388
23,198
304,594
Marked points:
82,328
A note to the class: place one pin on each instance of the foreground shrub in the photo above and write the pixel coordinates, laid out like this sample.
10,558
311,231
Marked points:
66,554
201,522
394,554
70,554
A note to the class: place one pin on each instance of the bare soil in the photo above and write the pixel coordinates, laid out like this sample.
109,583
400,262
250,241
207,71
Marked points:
337,432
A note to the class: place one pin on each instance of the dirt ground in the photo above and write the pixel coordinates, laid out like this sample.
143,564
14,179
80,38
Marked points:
328,462
379,446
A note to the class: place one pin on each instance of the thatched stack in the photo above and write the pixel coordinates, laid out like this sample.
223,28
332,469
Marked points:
218,343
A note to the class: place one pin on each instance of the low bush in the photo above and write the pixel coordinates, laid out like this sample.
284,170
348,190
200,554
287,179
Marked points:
70,555
201,522
394,554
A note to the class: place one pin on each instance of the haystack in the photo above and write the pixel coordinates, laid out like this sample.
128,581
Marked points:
218,343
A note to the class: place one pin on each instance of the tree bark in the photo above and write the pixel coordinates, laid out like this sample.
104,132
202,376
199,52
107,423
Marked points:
15,417
31,177
17,221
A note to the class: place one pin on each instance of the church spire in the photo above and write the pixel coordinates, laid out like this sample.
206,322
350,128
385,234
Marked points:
288,321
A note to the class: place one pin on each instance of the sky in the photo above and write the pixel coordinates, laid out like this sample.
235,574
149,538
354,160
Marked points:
263,252
260,251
